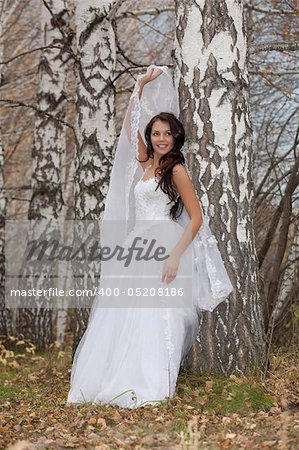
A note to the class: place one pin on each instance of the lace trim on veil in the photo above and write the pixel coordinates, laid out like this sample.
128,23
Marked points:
134,123
204,244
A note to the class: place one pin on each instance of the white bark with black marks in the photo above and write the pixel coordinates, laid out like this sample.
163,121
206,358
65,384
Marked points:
37,324
211,74
96,58
49,138
95,105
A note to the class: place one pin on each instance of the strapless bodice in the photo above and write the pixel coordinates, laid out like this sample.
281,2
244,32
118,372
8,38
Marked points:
150,204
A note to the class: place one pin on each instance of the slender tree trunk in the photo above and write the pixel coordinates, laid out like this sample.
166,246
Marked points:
289,277
49,143
3,323
95,112
210,68
5,313
283,237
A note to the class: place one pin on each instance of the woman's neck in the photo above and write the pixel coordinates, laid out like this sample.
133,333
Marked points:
155,161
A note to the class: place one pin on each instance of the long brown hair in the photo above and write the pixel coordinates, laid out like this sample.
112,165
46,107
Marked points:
169,160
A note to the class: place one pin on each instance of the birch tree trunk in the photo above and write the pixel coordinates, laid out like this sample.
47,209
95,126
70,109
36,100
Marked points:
48,146
95,112
49,139
95,105
210,70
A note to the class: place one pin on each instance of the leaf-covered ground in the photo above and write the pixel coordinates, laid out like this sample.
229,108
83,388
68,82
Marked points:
207,412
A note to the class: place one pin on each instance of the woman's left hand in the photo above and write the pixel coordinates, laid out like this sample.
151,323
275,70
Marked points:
151,75
170,268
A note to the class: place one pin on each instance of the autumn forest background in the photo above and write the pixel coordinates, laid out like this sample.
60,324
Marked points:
67,69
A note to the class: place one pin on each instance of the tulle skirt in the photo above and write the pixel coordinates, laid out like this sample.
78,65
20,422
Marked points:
132,349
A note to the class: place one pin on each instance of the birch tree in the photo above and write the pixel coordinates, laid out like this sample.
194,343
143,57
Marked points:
95,105
49,137
48,147
96,58
210,68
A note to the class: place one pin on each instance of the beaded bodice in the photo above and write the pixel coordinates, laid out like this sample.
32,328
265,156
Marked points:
151,204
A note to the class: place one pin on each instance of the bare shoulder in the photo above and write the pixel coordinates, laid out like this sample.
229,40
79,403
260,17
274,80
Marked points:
182,182
185,189
180,174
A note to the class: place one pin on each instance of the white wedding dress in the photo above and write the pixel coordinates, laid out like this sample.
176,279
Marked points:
130,356
132,349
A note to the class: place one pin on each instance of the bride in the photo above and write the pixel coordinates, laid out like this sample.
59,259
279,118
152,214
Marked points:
131,352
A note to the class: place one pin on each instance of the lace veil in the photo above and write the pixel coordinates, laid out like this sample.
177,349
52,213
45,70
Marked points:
211,283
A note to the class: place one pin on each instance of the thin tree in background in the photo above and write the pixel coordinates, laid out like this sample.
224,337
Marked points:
210,67
272,27
284,315
5,313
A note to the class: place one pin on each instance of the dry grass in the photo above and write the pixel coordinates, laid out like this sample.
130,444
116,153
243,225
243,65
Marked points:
207,412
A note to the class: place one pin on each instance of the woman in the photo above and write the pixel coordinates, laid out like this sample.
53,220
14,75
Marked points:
165,137
131,352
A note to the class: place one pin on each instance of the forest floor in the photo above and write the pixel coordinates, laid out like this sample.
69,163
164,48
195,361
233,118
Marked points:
207,412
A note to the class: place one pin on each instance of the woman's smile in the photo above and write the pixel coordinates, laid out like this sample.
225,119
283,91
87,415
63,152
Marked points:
161,137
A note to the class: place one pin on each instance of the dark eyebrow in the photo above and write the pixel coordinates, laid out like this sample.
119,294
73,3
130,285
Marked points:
159,130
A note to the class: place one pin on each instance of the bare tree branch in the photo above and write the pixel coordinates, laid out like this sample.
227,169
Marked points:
274,47
114,9
15,104
271,188
270,11
153,28
26,187
272,73
30,51
145,12
283,209
279,160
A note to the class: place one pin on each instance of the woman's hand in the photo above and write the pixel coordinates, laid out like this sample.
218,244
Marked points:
151,75
170,268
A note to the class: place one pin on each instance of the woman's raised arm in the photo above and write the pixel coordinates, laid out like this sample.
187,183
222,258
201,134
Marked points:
151,75
147,78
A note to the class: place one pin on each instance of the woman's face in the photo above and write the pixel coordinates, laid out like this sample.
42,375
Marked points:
161,137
